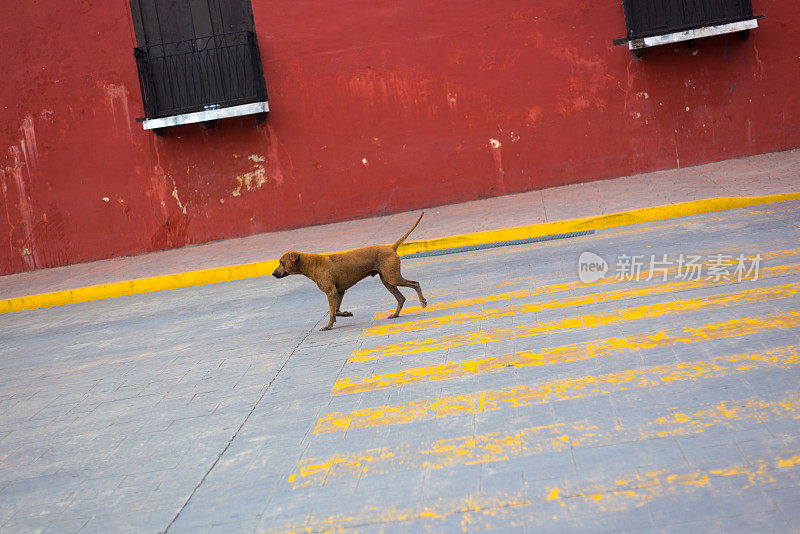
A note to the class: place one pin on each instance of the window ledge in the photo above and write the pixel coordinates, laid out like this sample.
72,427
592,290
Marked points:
688,35
207,115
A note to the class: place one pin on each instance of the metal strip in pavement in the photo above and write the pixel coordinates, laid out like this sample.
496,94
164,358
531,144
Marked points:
496,244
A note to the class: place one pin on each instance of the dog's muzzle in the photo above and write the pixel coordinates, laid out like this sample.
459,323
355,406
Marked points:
276,274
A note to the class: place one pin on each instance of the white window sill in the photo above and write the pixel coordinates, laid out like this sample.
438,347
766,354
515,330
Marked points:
207,115
688,35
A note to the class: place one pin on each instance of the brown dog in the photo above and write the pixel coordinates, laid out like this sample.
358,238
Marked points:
336,273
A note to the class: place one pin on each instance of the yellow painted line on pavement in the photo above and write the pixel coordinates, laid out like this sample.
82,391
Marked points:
569,353
649,311
250,270
641,486
500,446
472,508
566,286
613,492
568,302
792,209
570,388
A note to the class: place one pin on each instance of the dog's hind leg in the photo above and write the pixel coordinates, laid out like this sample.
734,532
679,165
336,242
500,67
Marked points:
399,296
391,274
415,285
396,279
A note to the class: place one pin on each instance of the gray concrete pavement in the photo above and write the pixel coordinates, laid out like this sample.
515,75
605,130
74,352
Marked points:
522,399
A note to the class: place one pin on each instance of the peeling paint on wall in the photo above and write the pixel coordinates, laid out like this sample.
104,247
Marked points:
28,143
265,169
22,163
117,101
158,196
24,213
254,179
497,157
585,87
275,158
177,199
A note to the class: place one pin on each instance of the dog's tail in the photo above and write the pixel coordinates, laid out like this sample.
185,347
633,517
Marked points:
399,241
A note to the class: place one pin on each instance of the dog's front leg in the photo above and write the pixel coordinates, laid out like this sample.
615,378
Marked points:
333,304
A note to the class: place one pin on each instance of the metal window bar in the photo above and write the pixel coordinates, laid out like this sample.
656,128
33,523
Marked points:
200,73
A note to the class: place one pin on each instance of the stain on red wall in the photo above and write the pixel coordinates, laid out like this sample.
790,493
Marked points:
376,108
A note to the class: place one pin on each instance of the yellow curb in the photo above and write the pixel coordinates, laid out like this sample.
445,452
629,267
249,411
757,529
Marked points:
264,268
139,285
600,222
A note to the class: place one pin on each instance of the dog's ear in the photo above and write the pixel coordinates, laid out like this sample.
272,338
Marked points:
294,255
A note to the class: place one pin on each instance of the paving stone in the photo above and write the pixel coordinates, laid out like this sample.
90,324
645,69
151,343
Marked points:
143,521
791,514
630,455
548,465
786,495
753,522
688,511
714,457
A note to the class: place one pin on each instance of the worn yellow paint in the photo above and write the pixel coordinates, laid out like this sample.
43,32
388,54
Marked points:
250,270
480,510
568,302
490,335
790,209
566,353
499,446
570,388
789,462
470,507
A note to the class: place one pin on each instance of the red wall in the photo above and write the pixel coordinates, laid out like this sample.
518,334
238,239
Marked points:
377,107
